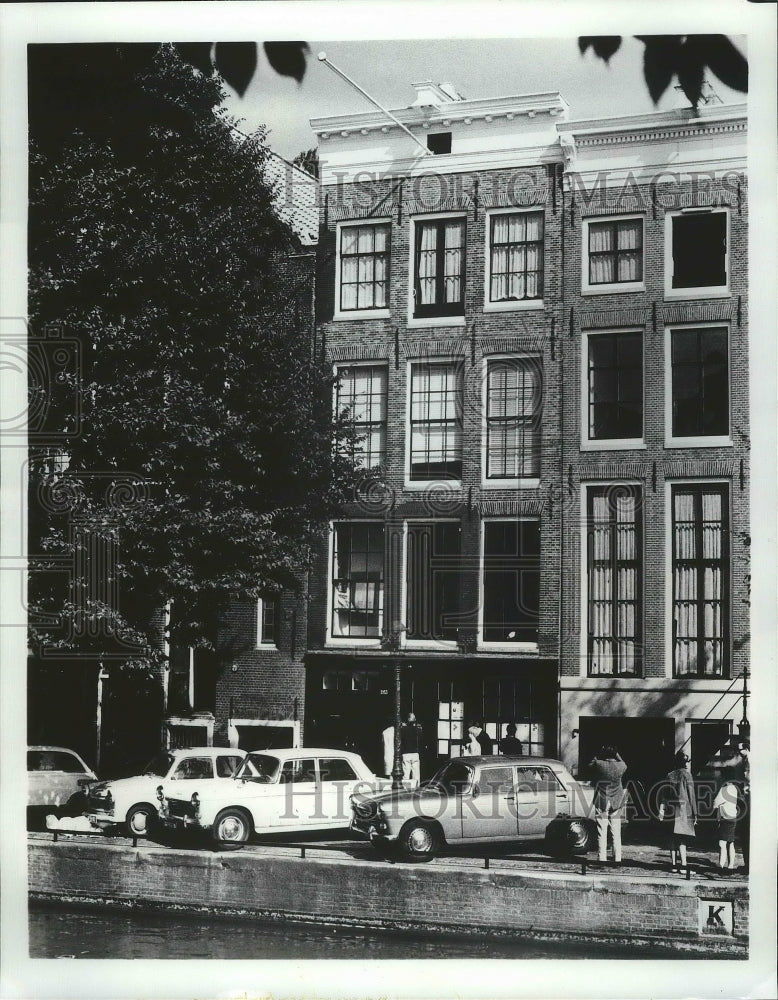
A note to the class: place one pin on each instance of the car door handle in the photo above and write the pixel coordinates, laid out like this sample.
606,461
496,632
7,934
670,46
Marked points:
510,798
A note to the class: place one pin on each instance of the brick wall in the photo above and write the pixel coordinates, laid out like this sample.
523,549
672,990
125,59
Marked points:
426,898
483,334
655,465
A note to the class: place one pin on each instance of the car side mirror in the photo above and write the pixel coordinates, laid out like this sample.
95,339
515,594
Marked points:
476,791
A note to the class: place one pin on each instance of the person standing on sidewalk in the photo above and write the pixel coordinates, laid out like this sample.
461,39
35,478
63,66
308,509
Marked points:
387,744
726,805
410,744
607,770
680,806
480,737
510,744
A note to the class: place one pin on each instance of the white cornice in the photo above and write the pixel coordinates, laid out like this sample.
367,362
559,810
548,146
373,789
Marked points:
649,135
674,119
550,105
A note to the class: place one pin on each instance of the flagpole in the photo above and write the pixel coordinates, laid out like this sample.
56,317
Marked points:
323,58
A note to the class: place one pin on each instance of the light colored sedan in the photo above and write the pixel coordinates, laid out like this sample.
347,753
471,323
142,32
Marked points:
480,799
57,779
134,802
274,791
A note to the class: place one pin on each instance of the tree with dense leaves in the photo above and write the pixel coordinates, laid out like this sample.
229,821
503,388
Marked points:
308,161
683,56
153,241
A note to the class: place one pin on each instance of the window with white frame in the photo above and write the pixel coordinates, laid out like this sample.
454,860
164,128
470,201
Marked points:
696,260
614,374
614,571
511,581
700,567
699,389
267,622
513,418
361,393
363,267
436,421
357,580
439,267
515,256
432,581
613,257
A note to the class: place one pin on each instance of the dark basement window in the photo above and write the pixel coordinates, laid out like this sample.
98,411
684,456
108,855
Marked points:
439,142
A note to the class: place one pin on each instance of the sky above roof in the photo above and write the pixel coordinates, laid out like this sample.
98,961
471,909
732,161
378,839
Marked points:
477,68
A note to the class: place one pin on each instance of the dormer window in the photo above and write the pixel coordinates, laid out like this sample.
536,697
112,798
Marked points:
439,143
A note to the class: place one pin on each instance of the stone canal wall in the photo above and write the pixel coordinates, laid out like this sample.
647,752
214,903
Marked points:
685,915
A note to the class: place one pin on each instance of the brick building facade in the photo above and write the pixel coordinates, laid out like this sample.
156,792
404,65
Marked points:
540,329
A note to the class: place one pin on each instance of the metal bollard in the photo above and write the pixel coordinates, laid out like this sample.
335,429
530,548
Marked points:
583,866
486,863
302,852
55,835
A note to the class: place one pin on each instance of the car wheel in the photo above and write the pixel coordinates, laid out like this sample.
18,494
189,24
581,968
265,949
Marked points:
141,819
579,837
231,828
418,841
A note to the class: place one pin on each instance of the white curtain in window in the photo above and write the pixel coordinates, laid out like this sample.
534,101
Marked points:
600,241
380,278
427,255
348,282
452,267
629,233
349,240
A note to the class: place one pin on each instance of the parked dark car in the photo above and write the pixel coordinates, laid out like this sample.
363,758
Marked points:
481,799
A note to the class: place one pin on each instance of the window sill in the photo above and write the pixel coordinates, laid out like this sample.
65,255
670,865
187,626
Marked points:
341,642
614,444
712,292
511,484
436,321
345,317
621,288
267,648
511,305
507,647
449,645
428,484
699,442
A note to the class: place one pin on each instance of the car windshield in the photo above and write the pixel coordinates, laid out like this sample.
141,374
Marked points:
259,767
453,778
160,764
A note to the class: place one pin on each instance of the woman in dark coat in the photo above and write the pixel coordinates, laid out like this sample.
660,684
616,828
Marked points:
680,806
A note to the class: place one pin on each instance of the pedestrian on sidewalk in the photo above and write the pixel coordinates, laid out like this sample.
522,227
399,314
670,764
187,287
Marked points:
509,744
739,771
679,805
607,769
481,740
726,805
387,743
410,744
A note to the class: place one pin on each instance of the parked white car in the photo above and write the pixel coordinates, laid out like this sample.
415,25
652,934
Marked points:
274,791
57,779
134,802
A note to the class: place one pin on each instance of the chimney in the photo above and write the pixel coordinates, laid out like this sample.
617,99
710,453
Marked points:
429,94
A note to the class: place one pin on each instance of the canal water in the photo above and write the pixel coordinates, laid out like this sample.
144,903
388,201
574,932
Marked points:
62,933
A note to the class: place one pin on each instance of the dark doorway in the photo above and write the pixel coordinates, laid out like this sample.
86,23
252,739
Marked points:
646,745
707,740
